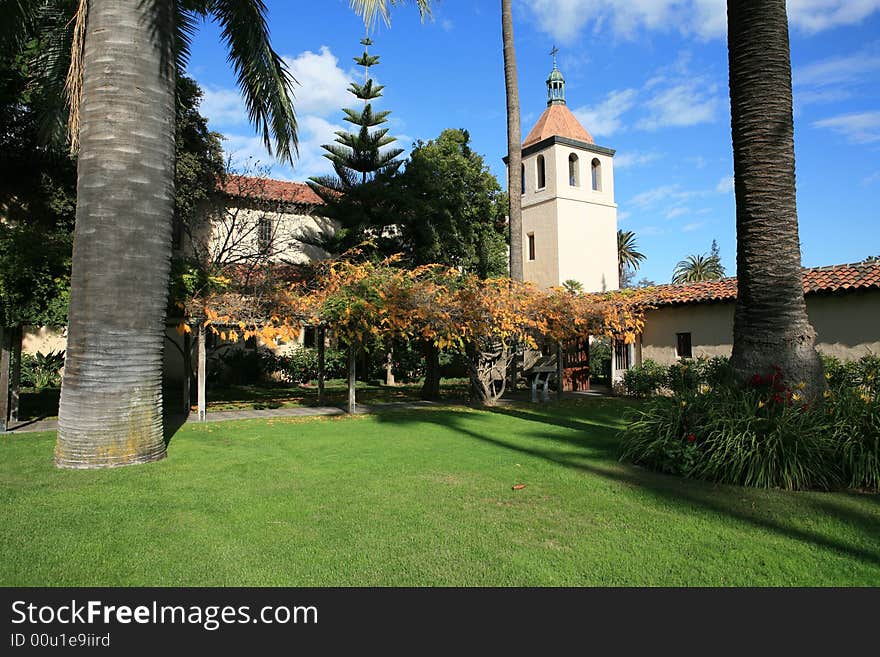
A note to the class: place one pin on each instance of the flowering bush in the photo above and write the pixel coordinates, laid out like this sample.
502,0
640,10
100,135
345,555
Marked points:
764,434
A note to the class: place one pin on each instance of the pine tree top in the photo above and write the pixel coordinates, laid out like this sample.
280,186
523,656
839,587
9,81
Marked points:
368,91
367,60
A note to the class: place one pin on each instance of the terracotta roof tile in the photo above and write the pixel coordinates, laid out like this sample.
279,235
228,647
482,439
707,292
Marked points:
270,190
834,278
557,121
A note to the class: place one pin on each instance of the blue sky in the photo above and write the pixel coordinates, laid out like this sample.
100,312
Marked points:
645,77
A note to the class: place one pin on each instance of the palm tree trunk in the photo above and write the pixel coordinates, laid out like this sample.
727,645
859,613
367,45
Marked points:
111,398
771,327
514,144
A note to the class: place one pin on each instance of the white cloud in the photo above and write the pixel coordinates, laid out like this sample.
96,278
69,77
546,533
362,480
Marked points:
652,197
685,102
695,225
624,215
814,16
223,107
322,87
836,70
320,93
858,128
871,179
725,185
647,231
629,159
675,212
604,119
704,19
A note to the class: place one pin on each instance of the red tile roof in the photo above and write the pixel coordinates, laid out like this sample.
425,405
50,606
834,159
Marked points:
834,278
557,121
270,190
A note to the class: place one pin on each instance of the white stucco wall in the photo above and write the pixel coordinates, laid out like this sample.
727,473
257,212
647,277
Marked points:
43,339
847,327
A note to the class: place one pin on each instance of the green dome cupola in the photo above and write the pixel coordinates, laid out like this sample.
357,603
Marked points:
555,83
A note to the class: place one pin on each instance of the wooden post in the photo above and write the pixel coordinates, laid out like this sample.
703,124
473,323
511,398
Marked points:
5,352
352,366
560,370
322,338
202,375
187,371
17,336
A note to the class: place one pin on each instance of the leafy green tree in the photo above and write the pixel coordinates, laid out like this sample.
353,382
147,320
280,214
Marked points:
37,195
696,268
448,208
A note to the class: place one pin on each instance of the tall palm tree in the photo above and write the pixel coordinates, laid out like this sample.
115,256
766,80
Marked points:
514,143
628,255
770,326
128,54
696,268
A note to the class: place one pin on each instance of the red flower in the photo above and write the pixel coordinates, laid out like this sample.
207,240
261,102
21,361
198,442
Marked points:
691,438
757,380
777,399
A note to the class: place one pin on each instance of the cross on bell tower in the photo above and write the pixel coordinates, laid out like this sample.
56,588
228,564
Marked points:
555,83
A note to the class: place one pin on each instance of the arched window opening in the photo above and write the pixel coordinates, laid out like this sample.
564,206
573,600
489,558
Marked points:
522,174
573,171
542,173
597,175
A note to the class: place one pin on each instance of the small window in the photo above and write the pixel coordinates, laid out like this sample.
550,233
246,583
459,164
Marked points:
523,176
573,171
683,345
542,173
531,246
264,233
309,337
597,175
622,352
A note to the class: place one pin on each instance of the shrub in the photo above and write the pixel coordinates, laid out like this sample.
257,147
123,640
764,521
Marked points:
301,365
42,370
763,434
684,377
644,380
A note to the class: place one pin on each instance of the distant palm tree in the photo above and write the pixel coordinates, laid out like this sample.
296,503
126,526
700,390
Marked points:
628,255
514,143
770,326
696,268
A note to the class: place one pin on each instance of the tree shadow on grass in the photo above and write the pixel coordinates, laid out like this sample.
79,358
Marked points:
172,423
598,444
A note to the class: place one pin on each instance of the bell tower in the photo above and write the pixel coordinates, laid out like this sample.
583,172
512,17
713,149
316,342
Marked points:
569,217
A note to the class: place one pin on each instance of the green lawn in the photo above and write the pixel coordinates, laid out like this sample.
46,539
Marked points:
416,498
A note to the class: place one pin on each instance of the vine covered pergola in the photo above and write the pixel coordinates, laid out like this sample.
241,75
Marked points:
360,300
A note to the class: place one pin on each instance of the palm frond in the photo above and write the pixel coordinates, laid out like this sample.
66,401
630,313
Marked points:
371,10
263,77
